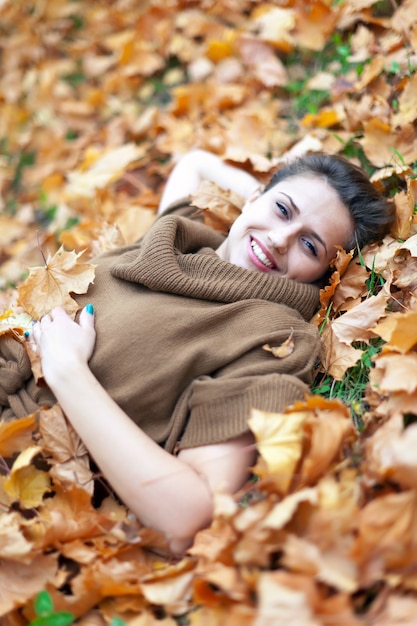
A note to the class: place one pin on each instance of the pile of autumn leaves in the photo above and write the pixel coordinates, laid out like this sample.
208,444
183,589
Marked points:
325,535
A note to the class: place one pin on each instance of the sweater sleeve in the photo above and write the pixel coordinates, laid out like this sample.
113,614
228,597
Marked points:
219,406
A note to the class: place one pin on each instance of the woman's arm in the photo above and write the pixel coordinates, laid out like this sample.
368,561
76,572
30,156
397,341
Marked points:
199,165
172,494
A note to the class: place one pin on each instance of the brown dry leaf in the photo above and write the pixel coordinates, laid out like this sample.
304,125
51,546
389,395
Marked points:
284,511
390,452
262,60
67,516
397,609
358,323
26,484
13,544
351,289
220,206
171,586
285,349
381,143
377,256
407,104
395,372
371,71
340,265
314,24
20,582
331,566
326,431
49,286
336,357
16,435
274,25
399,330
279,440
387,536
288,603
404,211
58,439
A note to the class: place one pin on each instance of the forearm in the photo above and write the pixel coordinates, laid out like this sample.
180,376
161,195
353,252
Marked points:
199,165
161,490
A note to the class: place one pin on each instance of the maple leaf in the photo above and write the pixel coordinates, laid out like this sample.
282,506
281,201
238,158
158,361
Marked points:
26,484
279,439
221,207
49,286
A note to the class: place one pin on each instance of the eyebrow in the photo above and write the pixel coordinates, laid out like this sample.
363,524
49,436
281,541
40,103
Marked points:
297,210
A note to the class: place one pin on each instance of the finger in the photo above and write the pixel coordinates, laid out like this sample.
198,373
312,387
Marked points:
86,319
58,311
45,321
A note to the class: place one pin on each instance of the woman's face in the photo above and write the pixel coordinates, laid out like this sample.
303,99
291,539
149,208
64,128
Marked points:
292,230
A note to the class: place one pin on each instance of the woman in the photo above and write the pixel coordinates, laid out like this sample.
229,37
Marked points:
158,378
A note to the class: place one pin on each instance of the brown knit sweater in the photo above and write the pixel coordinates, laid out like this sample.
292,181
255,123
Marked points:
180,335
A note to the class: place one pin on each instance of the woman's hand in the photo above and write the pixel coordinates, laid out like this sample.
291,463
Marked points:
64,345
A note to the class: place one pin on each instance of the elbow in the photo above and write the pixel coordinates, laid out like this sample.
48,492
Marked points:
182,538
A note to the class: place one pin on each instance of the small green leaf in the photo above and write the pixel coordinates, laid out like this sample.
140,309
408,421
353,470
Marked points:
43,604
117,621
61,618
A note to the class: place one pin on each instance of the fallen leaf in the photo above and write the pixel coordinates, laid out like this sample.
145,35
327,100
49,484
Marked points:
399,330
279,440
16,435
49,286
26,484
285,349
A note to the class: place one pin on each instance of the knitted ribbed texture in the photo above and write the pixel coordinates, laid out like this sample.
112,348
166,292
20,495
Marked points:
165,264
180,336
19,394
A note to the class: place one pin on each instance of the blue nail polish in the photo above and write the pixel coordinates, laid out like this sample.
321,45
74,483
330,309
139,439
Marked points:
90,309
26,334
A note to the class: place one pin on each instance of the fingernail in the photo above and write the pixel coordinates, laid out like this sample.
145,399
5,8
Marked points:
90,309
27,334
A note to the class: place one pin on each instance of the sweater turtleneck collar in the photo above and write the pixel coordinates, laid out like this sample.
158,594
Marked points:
178,256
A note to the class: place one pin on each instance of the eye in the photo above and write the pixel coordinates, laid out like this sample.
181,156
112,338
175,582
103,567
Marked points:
282,209
311,247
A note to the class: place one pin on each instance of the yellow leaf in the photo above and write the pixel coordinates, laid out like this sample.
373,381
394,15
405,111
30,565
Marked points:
14,321
102,171
50,286
285,349
279,438
26,484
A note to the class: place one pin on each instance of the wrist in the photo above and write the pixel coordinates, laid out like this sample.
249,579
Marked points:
62,374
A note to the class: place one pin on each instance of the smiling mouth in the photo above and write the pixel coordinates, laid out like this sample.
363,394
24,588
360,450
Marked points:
261,256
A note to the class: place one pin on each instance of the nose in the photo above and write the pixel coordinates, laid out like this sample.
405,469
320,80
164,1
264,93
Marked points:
280,239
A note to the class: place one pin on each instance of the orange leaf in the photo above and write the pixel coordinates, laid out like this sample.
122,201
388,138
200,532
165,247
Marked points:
50,286
16,435
399,330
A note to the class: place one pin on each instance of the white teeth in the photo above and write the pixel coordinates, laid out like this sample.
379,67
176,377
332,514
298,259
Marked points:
260,255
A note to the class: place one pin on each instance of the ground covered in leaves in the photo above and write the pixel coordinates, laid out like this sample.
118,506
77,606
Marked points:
97,102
